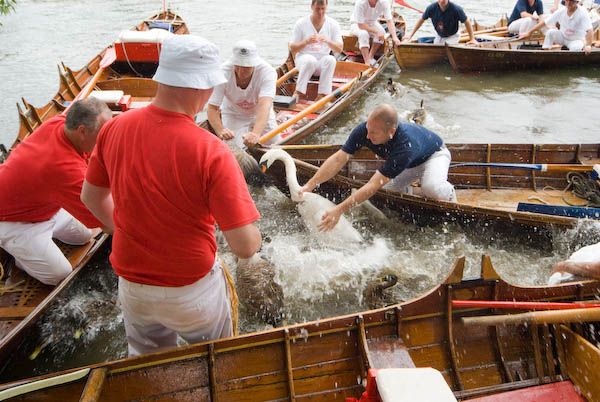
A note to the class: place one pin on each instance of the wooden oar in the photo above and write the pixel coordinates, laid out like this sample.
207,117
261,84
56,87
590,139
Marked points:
335,94
543,167
522,304
41,384
285,76
109,57
537,317
403,4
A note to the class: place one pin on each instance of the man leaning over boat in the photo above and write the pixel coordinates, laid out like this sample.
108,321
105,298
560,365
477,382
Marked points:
313,39
575,30
40,186
445,16
411,152
171,181
242,108
525,15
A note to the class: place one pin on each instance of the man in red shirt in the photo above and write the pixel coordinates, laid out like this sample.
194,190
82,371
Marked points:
171,181
40,186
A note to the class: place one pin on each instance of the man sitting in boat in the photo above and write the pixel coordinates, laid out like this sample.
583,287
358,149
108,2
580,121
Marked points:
525,15
411,151
170,181
575,30
313,39
41,183
445,16
365,25
242,108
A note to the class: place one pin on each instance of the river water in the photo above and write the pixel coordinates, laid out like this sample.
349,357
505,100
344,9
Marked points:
559,106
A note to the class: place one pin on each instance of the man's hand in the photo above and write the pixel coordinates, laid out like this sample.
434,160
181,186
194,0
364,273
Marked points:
524,35
329,220
307,188
587,49
406,39
226,134
396,41
250,138
472,42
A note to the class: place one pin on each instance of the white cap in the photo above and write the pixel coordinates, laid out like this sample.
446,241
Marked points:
189,61
245,54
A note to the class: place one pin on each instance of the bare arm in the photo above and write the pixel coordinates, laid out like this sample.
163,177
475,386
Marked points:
589,37
298,46
244,241
328,169
535,28
470,32
393,32
555,6
585,269
420,22
335,46
214,118
265,103
331,217
100,202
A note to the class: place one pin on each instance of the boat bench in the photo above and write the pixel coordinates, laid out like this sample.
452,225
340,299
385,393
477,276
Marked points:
115,100
141,46
558,391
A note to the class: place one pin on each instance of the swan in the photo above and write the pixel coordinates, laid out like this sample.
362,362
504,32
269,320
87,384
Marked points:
589,253
312,206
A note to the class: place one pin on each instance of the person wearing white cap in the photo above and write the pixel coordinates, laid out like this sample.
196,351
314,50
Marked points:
313,38
365,25
162,182
242,108
575,30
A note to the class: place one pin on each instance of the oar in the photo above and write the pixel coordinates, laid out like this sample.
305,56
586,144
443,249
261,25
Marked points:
403,4
109,57
285,76
335,94
41,384
537,317
543,167
522,304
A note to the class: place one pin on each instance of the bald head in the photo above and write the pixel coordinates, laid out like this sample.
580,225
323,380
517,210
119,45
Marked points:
386,115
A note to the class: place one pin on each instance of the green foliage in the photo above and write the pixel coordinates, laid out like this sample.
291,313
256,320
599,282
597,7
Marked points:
6,6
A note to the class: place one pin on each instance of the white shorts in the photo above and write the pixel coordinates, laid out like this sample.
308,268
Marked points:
364,35
33,249
155,315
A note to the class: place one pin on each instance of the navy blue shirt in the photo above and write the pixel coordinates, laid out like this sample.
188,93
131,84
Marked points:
523,5
445,22
410,146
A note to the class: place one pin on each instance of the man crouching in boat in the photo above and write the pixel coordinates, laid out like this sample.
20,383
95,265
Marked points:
525,15
575,30
313,38
40,185
411,151
242,108
170,181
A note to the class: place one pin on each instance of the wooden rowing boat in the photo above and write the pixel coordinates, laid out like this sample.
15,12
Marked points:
22,298
295,121
334,358
483,192
418,53
515,54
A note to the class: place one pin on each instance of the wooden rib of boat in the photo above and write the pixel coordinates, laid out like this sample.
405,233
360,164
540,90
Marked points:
517,54
22,298
483,192
417,54
330,359
295,121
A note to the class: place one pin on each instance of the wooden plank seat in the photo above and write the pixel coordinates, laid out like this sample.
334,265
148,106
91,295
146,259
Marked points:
558,391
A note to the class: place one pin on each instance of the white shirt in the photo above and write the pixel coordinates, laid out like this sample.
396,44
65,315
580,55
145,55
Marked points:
305,28
233,99
574,26
365,14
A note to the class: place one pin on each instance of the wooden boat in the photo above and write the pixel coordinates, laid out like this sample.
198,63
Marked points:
515,54
22,298
418,53
491,193
295,121
335,358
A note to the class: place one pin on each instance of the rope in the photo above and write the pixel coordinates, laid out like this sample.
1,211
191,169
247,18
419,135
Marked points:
11,288
584,187
233,297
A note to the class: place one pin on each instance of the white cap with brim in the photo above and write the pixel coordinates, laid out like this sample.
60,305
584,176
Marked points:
189,61
245,54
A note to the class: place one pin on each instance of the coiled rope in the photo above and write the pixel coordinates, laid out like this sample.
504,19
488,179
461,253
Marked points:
584,187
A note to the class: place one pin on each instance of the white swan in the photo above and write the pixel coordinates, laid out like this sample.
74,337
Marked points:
312,206
589,253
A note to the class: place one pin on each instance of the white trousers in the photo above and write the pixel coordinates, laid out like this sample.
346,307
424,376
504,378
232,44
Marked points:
555,36
155,315
241,125
434,178
308,65
523,25
451,40
33,249
364,36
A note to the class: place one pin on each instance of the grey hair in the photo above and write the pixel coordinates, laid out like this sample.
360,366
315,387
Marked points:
87,112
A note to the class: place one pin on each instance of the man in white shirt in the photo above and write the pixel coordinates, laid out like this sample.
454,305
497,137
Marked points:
313,38
575,28
365,25
242,108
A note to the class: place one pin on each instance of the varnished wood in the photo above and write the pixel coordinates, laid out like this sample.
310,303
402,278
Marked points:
288,363
94,384
583,360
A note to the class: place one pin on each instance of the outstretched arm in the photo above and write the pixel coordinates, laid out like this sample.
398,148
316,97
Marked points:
535,28
100,202
265,103
585,269
328,169
393,32
214,118
472,40
420,22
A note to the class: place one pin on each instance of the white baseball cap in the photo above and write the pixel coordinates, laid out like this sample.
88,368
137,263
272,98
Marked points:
245,54
189,61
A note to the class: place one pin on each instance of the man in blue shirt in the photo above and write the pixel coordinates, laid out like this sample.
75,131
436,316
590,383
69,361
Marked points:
411,152
525,15
444,17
